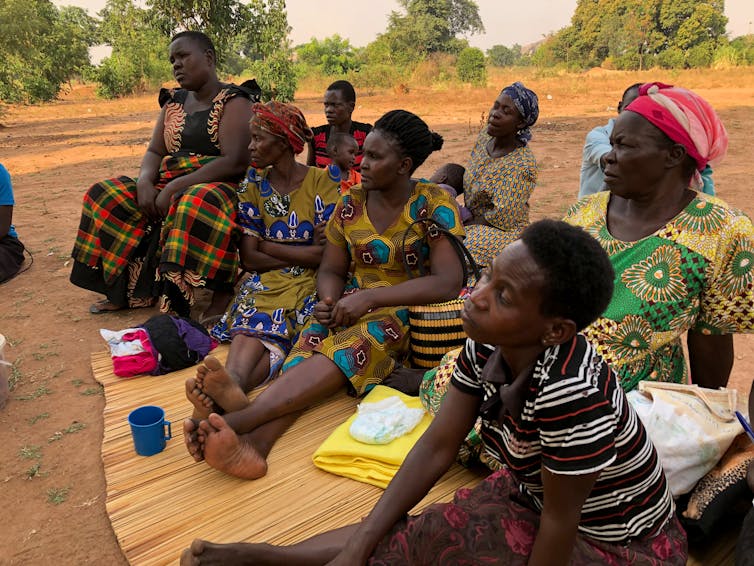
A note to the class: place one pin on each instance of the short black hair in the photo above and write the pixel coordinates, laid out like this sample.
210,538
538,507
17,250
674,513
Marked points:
411,134
201,39
349,94
689,165
337,139
579,277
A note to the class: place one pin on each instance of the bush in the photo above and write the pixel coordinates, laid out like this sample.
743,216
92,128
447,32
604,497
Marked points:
276,76
470,66
671,58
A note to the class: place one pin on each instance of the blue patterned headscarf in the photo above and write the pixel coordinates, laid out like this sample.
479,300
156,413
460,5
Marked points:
527,104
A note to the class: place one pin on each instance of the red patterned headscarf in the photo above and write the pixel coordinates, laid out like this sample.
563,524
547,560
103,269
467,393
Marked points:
283,121
686,118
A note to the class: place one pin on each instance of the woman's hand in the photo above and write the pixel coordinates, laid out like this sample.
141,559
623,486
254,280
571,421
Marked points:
319,238
146,195
162,203
351,308
323,311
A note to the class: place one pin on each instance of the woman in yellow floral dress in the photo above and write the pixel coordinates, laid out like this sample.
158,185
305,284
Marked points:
684,261
359,327
501,174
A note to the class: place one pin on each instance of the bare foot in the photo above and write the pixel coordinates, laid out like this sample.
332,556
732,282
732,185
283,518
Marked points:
203,553
225,451
203,404
214,381
194,444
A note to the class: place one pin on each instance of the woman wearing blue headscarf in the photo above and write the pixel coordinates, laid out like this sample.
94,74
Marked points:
501,174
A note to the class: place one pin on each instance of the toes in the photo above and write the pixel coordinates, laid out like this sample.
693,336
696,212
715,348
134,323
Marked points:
189,426
212,363
217,422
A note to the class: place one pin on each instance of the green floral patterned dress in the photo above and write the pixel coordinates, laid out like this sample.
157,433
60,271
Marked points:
695,273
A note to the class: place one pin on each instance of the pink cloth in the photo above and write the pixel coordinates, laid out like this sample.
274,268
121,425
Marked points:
137,363
686,118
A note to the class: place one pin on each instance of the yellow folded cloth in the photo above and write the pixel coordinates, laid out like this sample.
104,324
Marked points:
375,464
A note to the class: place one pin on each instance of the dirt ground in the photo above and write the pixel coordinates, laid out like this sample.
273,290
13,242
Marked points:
52,485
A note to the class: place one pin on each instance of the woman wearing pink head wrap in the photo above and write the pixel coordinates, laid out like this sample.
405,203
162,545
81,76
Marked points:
684,261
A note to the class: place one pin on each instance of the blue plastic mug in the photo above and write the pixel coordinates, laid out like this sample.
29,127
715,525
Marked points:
148,430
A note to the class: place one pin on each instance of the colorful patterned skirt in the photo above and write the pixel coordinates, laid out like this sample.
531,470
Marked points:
118,252
493,523
366,352
271,307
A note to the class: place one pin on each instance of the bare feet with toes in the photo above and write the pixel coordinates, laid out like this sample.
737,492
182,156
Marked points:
214,382
225,451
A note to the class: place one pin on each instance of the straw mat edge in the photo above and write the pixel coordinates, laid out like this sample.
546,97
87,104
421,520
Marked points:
158,505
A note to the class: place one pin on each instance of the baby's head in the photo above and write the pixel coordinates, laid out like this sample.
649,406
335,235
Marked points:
449,174
342,149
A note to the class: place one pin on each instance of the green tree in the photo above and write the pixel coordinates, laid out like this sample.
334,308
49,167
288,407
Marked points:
41,48
331,56
266,49
470,66
221,20
430,26
635,33
139,51
502,56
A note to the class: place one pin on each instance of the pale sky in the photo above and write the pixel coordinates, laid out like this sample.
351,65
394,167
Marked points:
506,22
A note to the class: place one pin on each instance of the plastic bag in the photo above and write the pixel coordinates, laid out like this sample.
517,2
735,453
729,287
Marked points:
384,421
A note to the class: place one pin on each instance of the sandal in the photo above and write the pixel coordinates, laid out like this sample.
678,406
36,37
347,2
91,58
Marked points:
104,306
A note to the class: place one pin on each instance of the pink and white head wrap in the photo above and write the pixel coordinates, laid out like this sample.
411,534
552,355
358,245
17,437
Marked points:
687,119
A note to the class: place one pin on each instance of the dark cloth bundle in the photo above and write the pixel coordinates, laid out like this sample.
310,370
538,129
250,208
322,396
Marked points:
180,342
162,344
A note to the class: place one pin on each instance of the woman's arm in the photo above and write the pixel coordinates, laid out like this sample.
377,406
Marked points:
710,358
428,460
233,160
149,172
311,156
442,284
6,219
564,496
305,256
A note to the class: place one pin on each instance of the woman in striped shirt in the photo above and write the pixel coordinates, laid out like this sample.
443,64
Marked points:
582,483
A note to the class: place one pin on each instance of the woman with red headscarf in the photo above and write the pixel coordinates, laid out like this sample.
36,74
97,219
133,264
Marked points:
684,261
284,206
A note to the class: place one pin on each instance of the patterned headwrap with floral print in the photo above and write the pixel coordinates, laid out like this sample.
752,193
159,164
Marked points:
527,104
284,121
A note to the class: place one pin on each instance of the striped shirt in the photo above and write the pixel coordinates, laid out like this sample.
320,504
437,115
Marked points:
575,420
321,134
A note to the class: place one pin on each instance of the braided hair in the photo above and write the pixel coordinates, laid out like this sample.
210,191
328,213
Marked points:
410,134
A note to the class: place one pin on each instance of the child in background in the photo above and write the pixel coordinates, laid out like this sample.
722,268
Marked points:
11,248
342,149
450,178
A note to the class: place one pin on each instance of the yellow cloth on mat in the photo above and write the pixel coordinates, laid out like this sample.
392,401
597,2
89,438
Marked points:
375,464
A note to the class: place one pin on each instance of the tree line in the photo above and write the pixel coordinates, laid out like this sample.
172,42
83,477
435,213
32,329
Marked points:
45,47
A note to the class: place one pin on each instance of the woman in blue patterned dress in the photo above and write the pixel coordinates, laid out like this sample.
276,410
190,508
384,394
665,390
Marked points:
283,208
501,174
359,327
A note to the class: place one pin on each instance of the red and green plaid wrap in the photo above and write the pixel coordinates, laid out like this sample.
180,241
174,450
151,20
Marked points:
197,233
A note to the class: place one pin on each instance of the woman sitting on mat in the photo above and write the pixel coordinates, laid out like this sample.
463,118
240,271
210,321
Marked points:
283,212
11,248
583,484
684,260
501,174
360,327
179,216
